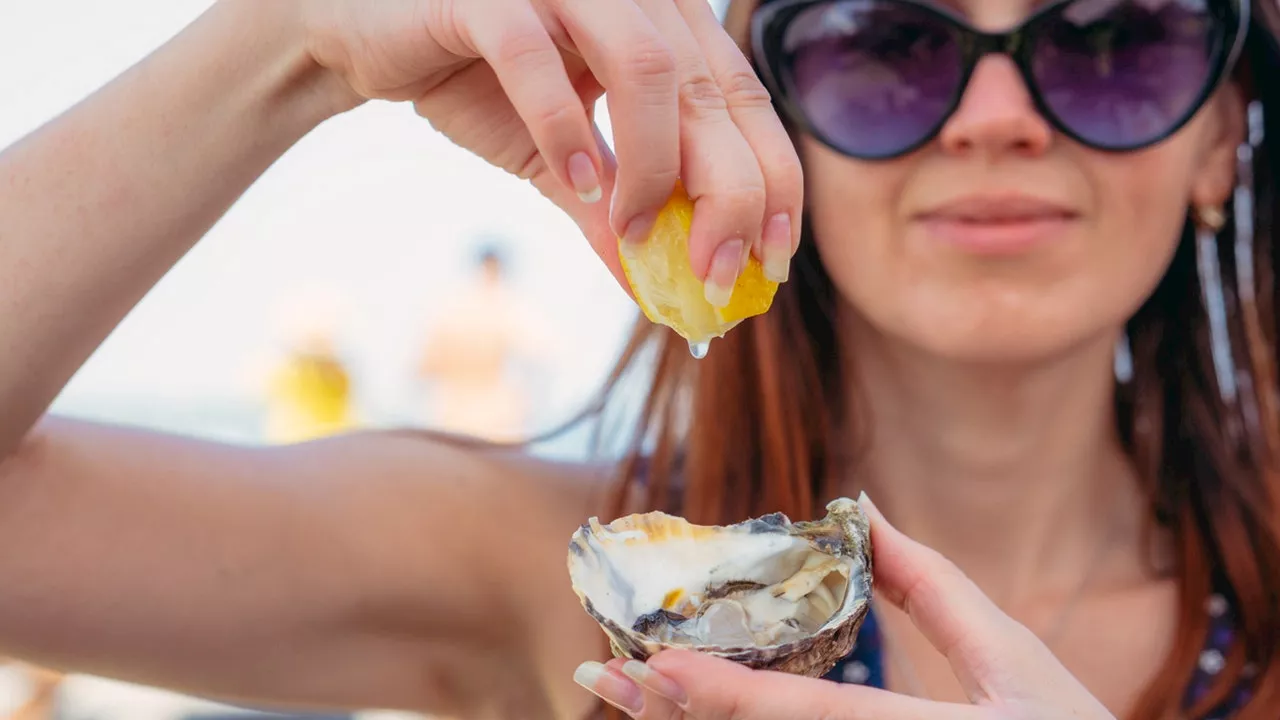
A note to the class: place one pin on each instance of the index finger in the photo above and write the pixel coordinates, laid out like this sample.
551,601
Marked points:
532,74
637,68
717,689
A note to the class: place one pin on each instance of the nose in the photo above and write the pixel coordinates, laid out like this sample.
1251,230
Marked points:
996,114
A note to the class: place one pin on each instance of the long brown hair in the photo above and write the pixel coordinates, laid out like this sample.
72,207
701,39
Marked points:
747,430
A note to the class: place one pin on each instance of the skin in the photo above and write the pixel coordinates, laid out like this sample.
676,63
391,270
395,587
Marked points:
365,571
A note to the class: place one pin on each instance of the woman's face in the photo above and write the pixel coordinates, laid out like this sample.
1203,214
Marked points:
1002,240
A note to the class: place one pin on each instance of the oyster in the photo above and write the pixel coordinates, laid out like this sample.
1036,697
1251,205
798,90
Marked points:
767,592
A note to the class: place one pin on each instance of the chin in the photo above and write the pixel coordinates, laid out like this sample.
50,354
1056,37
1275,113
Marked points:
996,347
1028,332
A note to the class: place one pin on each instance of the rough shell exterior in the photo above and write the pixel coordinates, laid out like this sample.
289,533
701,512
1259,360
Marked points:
845,531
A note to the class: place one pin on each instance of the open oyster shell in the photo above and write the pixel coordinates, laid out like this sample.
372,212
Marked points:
767,592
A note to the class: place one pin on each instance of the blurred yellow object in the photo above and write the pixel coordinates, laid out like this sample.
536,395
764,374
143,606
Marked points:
668,292
310,398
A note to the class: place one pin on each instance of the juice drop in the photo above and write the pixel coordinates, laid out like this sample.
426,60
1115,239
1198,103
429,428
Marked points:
699,349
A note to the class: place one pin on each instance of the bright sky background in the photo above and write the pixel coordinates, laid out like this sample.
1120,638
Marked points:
373,213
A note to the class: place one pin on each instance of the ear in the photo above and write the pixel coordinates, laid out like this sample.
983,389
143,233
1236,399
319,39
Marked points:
1225,125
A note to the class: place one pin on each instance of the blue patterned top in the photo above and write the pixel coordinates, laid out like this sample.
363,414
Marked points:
864,665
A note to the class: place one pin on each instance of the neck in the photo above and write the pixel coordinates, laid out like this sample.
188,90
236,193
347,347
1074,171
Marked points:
1015,473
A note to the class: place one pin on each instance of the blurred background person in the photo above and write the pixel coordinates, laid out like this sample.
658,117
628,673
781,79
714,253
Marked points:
476,355
309,390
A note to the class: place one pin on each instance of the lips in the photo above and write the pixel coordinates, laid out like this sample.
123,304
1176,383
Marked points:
997,224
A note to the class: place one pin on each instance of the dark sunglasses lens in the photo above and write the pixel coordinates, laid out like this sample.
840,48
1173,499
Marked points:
873,77
1123,73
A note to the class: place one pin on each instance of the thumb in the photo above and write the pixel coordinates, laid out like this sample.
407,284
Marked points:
985,647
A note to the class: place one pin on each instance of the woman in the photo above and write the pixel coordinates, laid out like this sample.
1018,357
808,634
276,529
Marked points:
947,345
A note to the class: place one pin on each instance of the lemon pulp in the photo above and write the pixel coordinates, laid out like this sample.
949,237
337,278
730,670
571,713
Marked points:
668,292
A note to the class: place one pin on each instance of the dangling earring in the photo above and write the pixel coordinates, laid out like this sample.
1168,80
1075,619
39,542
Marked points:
1209,222
1242,202
1122,363
1259,419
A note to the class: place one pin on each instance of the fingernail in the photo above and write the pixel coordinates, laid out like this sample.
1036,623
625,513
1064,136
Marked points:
777,248
870,508
726,265
639,228
609,687
586,182
655,682
865,502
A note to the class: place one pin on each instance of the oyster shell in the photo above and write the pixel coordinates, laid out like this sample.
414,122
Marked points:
767,592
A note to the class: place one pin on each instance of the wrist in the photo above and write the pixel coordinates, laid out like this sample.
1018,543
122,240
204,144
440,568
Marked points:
296,87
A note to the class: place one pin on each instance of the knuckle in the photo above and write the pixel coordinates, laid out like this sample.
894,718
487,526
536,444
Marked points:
930,581
784,171
649,61
944,572
653,188
747,198
551,117
521,47
701,97
528,166
743,89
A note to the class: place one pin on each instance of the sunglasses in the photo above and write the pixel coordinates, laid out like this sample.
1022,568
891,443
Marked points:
876,79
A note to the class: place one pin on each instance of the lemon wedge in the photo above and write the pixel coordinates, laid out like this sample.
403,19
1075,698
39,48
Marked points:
670,294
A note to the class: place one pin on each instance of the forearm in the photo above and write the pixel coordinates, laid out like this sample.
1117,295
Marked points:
97,205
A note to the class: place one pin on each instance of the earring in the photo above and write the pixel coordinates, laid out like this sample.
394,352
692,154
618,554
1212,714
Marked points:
1209,221
1256,418
1122,362
1242,202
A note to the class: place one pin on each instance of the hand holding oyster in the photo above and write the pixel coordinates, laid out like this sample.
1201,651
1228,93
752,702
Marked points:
767,593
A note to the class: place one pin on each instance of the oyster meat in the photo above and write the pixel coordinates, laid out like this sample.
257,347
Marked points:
767,592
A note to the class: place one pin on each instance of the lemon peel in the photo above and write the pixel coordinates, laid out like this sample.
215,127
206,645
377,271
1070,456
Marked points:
668,292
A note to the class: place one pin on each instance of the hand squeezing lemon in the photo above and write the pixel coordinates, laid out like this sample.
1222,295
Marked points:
668,292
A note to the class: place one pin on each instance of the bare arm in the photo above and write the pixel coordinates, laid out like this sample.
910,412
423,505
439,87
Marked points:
367,571
97,205
327,573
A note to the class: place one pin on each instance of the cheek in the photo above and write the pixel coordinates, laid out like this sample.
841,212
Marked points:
853,211
1142,208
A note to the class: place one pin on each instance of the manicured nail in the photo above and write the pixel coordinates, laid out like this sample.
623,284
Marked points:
726,265
639,228
586,182
777,248
870,508
616,691
655,682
